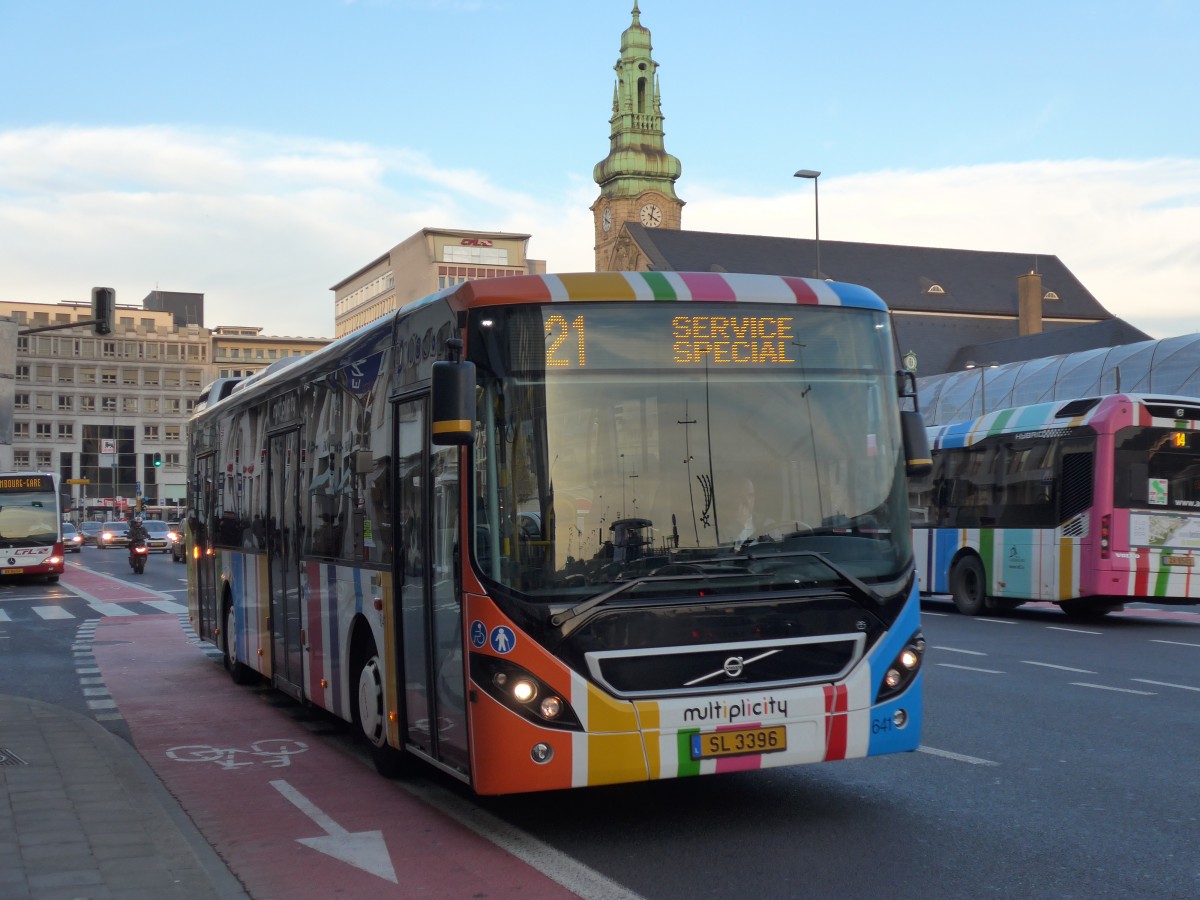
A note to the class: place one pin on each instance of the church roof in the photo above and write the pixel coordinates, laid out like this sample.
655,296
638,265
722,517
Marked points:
976,282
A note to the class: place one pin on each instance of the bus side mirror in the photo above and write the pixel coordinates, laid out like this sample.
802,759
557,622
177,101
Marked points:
918,460
453,403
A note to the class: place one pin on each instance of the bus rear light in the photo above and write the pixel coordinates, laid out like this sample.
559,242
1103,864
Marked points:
904,668
1105,534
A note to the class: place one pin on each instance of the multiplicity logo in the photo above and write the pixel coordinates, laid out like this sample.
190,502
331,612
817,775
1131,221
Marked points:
726,711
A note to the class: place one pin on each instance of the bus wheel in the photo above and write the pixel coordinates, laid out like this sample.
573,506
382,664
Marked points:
237,671
968,584
371,718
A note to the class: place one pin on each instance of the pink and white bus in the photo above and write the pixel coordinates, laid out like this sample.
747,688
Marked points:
1087,503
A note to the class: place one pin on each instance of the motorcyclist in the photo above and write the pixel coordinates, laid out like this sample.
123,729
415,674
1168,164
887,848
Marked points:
137,533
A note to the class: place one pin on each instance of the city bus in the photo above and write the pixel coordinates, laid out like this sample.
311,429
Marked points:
1087,503
508,530
30,525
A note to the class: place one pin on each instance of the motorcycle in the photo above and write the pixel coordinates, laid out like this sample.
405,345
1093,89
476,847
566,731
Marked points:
138,551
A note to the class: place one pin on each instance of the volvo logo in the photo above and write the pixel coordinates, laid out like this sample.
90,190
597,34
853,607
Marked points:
733,667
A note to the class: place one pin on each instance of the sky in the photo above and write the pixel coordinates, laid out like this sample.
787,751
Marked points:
260,151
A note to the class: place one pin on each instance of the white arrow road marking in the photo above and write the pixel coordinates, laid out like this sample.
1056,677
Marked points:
364,850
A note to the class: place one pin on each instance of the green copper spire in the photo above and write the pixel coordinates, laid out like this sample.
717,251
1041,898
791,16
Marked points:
637,159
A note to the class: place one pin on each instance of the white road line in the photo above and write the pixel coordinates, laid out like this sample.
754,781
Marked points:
167,606
958,757
110,609
1030,662
1072,630
992,621
957,650
1105,687
52,612
971,669
4,616
1176,643
1182,687
574,876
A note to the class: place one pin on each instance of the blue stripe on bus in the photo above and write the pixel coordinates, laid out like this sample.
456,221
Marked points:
946,542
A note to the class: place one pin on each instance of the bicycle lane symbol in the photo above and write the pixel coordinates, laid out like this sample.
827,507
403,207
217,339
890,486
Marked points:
275,753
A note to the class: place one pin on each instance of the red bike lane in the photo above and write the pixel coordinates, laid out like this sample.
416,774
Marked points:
291,816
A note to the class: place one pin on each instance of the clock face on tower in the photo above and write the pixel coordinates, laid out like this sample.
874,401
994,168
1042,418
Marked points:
651,216
606,221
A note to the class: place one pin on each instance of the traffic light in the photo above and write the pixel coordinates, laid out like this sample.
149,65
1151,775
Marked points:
158,460
104,304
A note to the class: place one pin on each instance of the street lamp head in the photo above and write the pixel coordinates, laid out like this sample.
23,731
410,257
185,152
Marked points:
807,173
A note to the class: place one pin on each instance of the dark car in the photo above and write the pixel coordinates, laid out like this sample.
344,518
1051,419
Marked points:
113,534
91,532
72,539
158,535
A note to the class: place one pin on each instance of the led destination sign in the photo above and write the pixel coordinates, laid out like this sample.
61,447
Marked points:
695,340
26,483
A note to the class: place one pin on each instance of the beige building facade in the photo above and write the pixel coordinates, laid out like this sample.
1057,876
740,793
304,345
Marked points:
426,262
103,408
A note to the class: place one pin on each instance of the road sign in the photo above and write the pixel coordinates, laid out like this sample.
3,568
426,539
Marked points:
79,481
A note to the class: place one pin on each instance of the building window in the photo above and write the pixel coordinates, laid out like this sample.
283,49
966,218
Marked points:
171,432
66,431
87,403
151,405
130,404
171,460
44,431
193,378
66,403
108,349
22,372
23,344
43,459
150,377
20,401
150,432
129,376
108,376
21,459
171,378
45,373
66,374
108,404
21,431
172,404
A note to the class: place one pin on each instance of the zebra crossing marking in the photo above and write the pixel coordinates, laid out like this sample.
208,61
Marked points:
53,612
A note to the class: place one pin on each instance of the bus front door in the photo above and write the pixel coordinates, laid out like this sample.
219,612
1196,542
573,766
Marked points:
204,556
283,560
429,590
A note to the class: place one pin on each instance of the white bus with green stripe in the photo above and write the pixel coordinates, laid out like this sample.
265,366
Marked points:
1088,503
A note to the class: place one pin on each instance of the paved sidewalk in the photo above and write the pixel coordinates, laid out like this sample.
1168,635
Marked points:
83,816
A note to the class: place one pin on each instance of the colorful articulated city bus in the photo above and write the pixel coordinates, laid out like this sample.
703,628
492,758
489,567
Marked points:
547,532
1088,503
30,525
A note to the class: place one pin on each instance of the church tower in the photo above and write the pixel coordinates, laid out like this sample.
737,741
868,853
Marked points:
637,178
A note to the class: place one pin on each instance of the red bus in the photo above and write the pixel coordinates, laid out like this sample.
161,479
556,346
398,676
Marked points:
557,531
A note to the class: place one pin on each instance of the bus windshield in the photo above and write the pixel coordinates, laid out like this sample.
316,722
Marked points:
28,519
620,441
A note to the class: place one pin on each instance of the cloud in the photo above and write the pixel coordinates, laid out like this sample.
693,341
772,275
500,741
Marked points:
263,225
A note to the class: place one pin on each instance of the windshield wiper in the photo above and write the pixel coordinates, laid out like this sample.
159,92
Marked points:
603,597
852,580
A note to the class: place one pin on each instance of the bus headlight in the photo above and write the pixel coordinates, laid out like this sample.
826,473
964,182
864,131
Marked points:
903,669
522,692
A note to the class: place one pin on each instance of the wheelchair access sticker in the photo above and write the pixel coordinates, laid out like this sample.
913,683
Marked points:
478,634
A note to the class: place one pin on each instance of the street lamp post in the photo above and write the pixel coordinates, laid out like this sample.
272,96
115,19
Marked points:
814,175
982,367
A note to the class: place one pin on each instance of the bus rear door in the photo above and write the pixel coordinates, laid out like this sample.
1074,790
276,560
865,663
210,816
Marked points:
283,560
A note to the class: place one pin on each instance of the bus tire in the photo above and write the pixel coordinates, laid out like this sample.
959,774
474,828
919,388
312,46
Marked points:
237,671
370,716
1088,609
968,585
